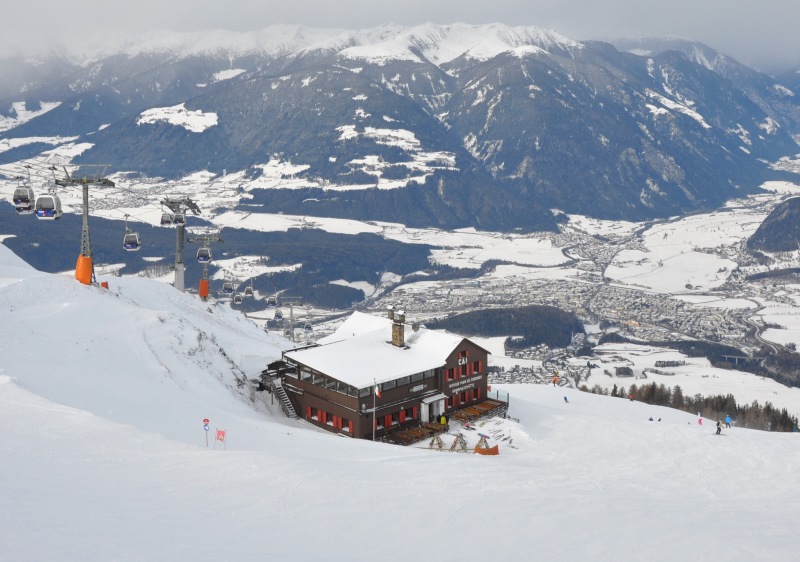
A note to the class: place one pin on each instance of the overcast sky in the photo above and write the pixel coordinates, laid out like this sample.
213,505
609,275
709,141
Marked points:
761,33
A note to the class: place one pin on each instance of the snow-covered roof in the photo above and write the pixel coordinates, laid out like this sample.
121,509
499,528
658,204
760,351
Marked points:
360,351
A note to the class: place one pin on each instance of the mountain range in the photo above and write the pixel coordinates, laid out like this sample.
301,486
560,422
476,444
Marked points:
457,125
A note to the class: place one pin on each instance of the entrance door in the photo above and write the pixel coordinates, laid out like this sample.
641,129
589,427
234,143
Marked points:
424,412
438,409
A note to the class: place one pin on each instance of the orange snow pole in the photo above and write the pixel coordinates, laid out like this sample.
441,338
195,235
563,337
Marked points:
204,288
83,270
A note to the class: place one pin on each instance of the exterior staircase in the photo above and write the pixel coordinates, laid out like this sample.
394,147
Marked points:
276,386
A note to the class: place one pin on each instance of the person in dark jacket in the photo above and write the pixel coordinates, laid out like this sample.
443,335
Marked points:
719,427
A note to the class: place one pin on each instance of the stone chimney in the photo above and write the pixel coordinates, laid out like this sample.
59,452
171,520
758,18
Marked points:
398,329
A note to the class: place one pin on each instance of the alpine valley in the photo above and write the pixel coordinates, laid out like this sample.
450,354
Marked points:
614,227
450,168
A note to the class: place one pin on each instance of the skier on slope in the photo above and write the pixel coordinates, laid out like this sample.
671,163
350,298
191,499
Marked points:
719,427
699,418
728,421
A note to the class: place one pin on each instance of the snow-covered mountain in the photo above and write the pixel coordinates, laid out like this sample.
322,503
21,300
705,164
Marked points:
448,125
436,125
138,347
102,399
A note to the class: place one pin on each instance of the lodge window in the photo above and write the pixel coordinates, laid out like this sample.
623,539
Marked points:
416,377
330,384
462,354
395,418
362,392
314,414
305,375
409,413
379,422
345,425
388,385
403,381
476,367
463,397
429,374
450,373
317,380
328,418
463,370
352,391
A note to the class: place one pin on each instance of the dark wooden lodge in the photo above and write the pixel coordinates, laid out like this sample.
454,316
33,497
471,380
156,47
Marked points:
419,374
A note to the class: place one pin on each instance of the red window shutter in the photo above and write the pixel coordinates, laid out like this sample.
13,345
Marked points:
402,416
308,412
470,369
350,427
387,421
480,365
416,412
477,394
335,421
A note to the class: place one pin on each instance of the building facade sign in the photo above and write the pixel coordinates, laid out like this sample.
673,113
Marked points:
464,384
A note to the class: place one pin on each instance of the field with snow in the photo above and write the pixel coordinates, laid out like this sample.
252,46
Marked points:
102,397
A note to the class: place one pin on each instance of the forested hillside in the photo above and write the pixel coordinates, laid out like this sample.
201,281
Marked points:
525,326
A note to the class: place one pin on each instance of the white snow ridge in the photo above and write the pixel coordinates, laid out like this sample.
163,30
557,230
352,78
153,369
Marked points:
195,121
102,397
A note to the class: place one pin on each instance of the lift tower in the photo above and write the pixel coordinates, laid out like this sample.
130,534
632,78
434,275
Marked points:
177,206
85,176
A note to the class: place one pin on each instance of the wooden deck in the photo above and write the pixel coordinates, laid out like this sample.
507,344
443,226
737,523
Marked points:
485,409
411,435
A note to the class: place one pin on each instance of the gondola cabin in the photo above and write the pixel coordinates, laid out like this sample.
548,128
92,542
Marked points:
167,219
248,291
204,255
227,287
24,200
180,218
237,299
132,242
272,301
278,314
48,207
307,327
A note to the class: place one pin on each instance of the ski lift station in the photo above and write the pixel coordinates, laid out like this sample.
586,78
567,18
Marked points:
419,375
